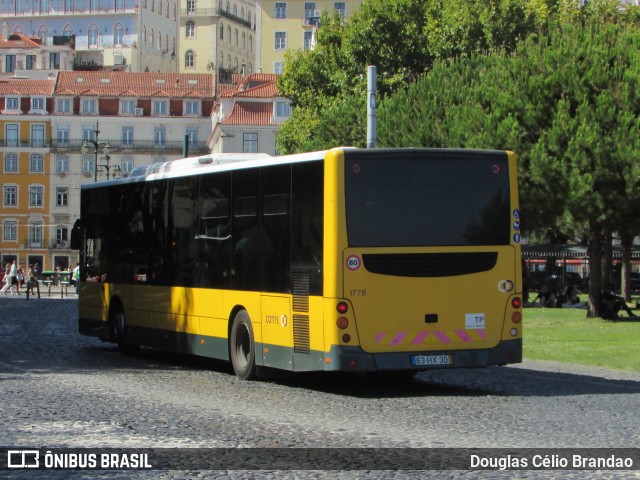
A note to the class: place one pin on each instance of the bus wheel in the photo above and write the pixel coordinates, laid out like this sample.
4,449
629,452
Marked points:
120,326
242,348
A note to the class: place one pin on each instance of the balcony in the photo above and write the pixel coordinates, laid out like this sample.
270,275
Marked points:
24,143
214,12
126,146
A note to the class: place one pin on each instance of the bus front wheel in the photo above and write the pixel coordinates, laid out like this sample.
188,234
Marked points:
120,328
242,347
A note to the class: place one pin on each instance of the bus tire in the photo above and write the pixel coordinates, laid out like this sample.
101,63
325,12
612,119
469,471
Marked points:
120,328
242,348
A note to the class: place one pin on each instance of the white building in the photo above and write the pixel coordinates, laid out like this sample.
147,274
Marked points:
136,35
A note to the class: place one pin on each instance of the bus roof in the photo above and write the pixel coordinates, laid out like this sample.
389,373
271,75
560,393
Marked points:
214,162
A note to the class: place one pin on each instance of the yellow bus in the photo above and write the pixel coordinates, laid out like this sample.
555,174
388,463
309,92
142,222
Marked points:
357,260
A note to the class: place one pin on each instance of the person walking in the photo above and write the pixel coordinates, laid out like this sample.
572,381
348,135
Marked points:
11,274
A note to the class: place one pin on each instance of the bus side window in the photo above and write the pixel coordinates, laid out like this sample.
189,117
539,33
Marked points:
215,230
245,230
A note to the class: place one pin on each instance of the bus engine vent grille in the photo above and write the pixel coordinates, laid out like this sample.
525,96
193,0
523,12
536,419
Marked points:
301,334
429,264
300,292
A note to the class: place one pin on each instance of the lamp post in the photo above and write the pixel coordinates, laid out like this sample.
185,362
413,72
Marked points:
96,146
106,166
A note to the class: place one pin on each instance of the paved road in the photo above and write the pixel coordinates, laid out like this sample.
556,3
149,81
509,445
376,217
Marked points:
60,389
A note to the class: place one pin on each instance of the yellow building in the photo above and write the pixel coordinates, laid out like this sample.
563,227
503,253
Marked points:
25,138
291,25
217,35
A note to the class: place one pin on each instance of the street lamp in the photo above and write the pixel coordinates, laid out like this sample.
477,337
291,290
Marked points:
96,146
106,166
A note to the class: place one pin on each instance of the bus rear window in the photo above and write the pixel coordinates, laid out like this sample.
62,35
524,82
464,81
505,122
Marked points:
427,199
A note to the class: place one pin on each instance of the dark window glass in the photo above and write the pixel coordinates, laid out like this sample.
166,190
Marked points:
245,230
275,240
307,222
183,228
415,198
215,230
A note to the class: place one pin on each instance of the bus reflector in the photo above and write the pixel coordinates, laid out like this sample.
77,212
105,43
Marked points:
342,307
342,323
346,338
352,363
516,302
514,332
516,317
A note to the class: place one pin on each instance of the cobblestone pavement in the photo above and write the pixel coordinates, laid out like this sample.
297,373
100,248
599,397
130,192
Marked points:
60,389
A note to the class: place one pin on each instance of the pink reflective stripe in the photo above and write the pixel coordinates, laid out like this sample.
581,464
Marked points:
398,338
481,334
419,338
379,337
464,336
442,337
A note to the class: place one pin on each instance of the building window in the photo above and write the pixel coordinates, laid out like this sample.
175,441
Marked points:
63,135
189,59
10,230
160,107
89,106
281,41
62,164
93,36
341,8
36,163
191,29
36,194
250,142
159,137
10,63
38,103
37,136
62,196
54,60
192,107
126,164
281,10
31,62
12,103
62,234
191,7
128,107
88,164
278,68
63,105
10,195
308,37
283,109
10,163
12,134
192,133
221,31
88,133
118,35
35,234
309,10
127,137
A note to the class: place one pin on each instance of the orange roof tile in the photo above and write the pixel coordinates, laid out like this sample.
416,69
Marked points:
17,40
20,86
250,113
145,84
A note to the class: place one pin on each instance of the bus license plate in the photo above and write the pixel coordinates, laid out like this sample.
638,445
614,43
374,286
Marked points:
420,360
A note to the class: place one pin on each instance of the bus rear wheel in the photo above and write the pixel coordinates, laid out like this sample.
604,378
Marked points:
242,347
120,328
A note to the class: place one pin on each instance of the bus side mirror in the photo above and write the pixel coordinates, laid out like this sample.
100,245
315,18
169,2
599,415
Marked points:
76,235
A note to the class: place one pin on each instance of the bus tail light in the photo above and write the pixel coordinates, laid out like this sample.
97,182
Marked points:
516,317
342,307
516,302
342,323
346,338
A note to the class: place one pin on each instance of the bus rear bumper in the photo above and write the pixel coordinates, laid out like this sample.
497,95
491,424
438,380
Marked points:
355,359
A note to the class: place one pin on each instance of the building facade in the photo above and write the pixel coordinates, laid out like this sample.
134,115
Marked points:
19,52
56,135
25,129
248,115
217,36
136,35
292,25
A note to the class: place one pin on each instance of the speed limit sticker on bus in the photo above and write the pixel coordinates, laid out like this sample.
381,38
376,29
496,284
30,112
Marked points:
353,262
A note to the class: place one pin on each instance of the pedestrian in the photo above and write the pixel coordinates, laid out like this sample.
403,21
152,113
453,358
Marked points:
11,273
611,304
76,277
33,279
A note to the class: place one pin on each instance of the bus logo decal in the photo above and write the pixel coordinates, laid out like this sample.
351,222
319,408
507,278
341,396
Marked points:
353,262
